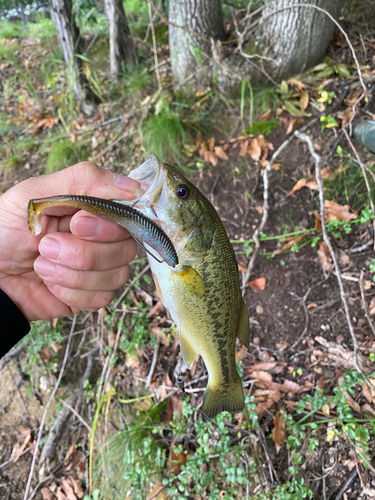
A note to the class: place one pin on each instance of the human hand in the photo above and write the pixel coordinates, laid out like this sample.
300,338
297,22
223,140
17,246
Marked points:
79,259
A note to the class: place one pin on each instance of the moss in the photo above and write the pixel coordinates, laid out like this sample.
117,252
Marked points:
65,153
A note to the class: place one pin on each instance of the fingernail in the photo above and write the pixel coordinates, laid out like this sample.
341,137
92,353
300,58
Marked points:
126,183
44,267
50,248
86,226
138,193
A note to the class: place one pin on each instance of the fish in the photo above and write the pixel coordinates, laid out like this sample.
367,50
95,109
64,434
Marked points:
141,227
202,293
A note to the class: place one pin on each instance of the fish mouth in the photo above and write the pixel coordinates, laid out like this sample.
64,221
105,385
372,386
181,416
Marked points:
151,175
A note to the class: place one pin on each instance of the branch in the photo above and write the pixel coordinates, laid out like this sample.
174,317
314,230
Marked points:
67,349
319,180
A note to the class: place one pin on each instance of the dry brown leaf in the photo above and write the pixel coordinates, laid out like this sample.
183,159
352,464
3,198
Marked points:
368,392
299,185
45,354
254,149
318,222
353,404
297,84
258,284
209,156
243,147
278,432
304,100
28,440
241,266
327,172
60,495
290,242
211,143
47,494
261,375
266,116
268,365
324,256
334,211
156,309
173,404
291,126
161,490
219,152
275,166
177,457
312,185
366,408
344,258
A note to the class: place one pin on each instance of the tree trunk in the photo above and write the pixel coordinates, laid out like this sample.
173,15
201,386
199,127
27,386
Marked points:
200,17
71,42
120,42
294,38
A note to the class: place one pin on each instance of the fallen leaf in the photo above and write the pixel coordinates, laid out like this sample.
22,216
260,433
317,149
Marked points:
243,147
304,100
331,430
299,185
211,143
254,149
209,156
344,259
47,494
353,404
368,392
241,266
297,84
156,309
160,491
269,365
278,432
265,116
324,256
173,404
290,242
318,222
334,211
327,172
177,457
219,152
291,126
275,166
258,284
261,375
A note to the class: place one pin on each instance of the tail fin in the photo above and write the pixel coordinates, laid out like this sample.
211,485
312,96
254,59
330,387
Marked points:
229,399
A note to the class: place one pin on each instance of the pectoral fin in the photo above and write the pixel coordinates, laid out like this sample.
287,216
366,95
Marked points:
244,325
187,350
192,281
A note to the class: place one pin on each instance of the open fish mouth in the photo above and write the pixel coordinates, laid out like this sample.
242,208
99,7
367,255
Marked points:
151,175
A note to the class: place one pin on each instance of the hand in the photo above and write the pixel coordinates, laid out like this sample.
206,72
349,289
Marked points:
79,259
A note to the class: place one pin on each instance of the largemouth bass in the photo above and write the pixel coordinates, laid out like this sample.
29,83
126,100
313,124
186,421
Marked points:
141,227
202,293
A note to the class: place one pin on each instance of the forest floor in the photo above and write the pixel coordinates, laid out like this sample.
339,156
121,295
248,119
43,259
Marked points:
308,429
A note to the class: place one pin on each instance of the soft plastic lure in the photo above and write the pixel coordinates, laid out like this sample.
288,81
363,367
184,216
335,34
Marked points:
141,227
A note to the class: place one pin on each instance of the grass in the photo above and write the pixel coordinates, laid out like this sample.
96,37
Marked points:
43,28
65,153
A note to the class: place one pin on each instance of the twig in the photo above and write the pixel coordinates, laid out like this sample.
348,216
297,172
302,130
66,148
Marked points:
318,176
12,459
153,364
362,247
364,305
302,301
154,44
346,485
110,146
128,287
77,415
364,176
67,349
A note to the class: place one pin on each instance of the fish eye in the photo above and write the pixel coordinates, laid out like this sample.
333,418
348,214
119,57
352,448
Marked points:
183,191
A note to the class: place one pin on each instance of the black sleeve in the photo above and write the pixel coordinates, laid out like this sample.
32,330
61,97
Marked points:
13,324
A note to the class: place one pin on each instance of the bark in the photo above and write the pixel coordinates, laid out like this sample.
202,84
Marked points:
120,42
294,38
203,17
72,44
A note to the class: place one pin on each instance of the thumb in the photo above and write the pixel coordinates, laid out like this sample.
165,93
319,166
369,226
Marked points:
85,178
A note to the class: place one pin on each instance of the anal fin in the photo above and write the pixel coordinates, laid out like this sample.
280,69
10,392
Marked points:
187,350
244,325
